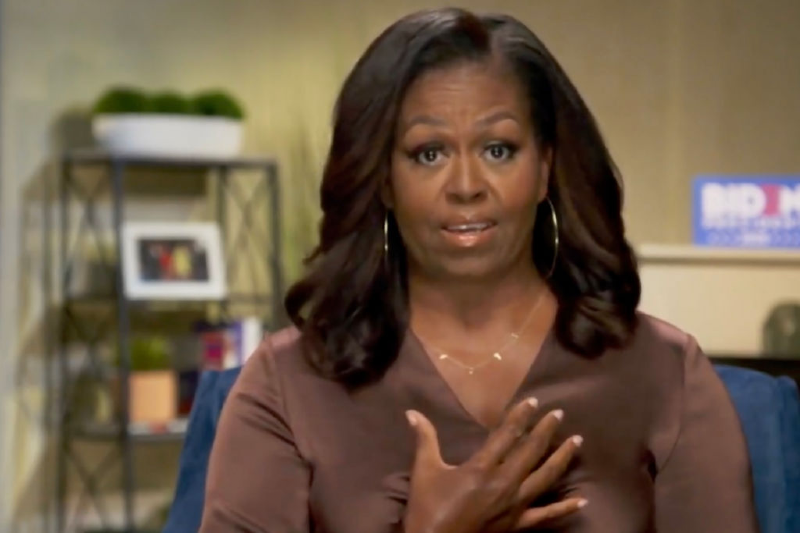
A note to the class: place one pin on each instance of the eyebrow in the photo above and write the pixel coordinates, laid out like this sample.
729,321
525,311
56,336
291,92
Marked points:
497,117
429,120
426,120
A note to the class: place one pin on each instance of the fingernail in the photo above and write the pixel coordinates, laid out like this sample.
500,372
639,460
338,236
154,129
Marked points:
578,440
411,418
582,504
559,414
533,402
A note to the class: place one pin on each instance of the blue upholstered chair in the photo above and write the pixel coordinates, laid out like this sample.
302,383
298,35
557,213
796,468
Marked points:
187,506
768,407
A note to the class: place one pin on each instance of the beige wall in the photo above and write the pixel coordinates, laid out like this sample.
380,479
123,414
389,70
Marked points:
679,87
722,297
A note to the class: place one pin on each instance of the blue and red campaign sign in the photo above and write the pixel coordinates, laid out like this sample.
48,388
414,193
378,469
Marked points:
746,211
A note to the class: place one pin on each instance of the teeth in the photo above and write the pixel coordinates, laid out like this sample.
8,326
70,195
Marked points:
478,226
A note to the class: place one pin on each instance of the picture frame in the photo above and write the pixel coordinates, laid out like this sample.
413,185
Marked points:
173,261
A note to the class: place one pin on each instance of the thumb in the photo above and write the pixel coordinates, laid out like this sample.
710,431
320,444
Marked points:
428,451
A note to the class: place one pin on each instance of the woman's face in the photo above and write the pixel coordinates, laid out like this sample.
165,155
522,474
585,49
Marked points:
467,174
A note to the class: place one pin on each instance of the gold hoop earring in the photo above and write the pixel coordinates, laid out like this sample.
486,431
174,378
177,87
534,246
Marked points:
386,234
554,219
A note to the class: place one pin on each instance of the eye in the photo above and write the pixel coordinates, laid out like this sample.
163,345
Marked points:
428,155
500,151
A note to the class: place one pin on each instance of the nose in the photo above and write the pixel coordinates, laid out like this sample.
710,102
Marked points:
466,183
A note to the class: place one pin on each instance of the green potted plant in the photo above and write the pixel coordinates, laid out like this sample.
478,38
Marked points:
171,103
128,120
217,103
152,387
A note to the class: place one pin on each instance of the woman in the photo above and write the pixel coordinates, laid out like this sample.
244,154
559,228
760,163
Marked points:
467,354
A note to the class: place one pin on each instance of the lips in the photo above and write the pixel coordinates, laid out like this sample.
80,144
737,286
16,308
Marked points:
469,232
468,226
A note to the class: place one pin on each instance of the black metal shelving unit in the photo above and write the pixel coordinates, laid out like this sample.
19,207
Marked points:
93,320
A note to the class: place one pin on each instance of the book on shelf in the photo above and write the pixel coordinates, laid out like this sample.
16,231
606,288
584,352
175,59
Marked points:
229,344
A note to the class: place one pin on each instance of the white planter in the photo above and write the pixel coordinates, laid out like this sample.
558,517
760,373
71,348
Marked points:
168,135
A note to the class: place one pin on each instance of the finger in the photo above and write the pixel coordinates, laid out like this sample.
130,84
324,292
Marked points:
503,439
552,469
428,451
531,450
535,517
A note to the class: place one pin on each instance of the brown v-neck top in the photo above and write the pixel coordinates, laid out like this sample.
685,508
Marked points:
663,448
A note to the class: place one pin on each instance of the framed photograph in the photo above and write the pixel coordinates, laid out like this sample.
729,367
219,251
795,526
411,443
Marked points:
173,261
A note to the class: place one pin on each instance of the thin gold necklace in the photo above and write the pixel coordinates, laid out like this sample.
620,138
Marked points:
496,355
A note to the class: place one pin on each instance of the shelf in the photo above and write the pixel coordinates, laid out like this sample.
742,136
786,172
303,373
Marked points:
172,431
100,157
668,253
165,316
110,299
95,196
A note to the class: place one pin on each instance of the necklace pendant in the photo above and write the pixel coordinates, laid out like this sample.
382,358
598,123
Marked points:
471,371
497,356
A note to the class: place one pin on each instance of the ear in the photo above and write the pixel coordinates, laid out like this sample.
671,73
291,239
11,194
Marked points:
545,167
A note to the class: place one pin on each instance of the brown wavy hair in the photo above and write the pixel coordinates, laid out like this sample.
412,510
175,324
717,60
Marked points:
352,304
